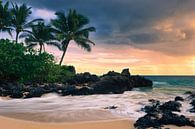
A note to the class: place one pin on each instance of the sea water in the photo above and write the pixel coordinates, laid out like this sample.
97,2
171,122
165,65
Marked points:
128,104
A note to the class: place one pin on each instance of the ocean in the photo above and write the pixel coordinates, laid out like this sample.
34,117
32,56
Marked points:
128,104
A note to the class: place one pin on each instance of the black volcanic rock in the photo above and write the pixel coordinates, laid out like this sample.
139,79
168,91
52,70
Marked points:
139,81
170,118
178,98
170,106
192,110
161,114
73,90
80,84
83,78
35,92
126,73
16,92
112,82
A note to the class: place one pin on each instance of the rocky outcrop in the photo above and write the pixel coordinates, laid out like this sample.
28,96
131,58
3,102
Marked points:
115,84
80,84
139,81
83,78
162,114
191,98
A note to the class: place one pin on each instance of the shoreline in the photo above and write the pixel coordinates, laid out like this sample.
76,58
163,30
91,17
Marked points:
10,123
122,123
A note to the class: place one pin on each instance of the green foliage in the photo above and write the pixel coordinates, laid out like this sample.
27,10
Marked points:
72,27
19,20
20,64
60,73
41,34
5,17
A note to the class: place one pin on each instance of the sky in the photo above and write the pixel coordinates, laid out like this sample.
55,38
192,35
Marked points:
150,37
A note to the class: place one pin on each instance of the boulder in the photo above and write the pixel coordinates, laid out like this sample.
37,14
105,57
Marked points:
73,90
16,92
115,84
35,92
111,107
161,114
178,98
192,110
170,106
126,73
170,118
139,81
147,121
83,78
111,73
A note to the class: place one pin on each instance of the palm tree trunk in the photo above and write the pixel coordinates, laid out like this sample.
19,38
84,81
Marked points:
43,47
17,34
64,52
40,50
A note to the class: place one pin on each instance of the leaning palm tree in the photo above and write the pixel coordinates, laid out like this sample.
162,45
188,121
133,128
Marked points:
41,34
5,17
72,28
20,15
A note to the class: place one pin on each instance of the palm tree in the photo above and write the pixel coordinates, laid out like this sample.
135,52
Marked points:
20,15
41,34
5,17
72,28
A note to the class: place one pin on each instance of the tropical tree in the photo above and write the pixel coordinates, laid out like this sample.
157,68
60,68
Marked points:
41,34
5,17
72,28
20,15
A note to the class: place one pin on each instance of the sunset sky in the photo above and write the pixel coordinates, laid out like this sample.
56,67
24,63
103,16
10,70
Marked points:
151,37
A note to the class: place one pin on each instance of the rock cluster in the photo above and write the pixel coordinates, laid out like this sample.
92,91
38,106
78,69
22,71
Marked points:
80,84
162,114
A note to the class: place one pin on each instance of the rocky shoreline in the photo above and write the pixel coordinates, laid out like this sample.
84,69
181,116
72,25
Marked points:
80,84
159,114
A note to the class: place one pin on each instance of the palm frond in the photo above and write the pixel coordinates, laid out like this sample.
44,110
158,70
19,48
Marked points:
56,44
31,45
83,44
31,23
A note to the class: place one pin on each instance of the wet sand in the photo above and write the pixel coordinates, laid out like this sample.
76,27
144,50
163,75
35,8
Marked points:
83,123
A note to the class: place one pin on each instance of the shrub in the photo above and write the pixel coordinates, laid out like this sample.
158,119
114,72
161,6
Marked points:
60,73
20,64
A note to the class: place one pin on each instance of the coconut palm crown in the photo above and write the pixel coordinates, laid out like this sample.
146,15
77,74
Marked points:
5,17
41,34
20,15
72,27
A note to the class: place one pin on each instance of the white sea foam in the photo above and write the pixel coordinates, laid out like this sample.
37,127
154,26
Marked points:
129,103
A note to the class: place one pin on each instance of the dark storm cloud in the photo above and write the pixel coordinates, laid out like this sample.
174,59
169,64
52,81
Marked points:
123,20
144,38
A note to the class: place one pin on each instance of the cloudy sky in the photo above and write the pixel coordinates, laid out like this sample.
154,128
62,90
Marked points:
148,36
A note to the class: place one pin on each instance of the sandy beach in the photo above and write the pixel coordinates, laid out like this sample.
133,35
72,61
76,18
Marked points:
9,123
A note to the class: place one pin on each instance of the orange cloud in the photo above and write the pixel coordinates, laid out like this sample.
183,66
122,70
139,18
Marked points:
104,58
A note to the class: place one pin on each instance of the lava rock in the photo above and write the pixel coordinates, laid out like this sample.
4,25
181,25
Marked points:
139,81
147,121
126,73
192,110
171,106
112,84
170,118
35,92
16,92
111,107
83,78
178,98
161,114
69,90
